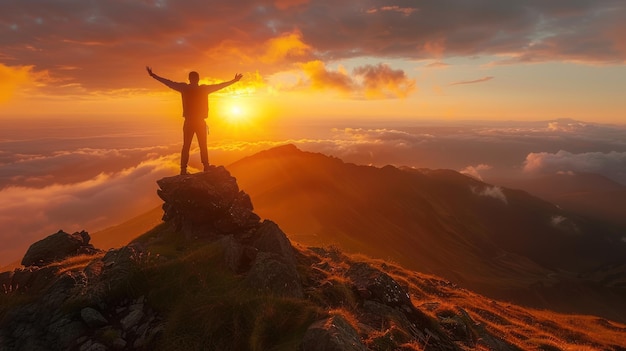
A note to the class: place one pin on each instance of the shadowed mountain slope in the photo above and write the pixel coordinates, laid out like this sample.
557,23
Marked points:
590,194
501,242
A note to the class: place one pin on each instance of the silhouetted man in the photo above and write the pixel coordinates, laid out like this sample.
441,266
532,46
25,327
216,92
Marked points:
195,110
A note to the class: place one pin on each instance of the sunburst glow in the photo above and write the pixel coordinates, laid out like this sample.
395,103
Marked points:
237,114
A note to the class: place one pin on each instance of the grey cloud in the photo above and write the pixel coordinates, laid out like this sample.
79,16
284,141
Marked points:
494,192
92,38
611,164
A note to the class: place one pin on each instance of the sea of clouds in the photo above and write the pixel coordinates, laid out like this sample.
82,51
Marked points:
92,175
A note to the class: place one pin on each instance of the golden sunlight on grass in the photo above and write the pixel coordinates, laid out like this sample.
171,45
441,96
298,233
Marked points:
75,263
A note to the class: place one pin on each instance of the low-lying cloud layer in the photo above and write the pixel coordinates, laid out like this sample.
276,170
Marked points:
28,214
74,187
612,164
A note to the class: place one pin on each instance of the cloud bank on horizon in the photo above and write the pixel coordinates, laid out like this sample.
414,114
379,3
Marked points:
46,186
77,46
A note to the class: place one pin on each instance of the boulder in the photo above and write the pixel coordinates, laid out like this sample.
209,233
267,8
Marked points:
332,334
57,247
270,238
206,202
270,274
273,269
373,284
93,318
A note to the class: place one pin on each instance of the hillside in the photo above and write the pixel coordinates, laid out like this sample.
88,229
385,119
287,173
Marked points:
501,242
214,276
586,193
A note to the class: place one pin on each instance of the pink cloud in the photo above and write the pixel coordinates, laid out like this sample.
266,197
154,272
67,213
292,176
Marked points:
481,80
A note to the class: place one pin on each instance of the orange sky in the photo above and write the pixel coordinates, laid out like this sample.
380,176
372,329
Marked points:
351,59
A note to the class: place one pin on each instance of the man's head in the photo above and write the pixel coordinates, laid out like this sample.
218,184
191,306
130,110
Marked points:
194,77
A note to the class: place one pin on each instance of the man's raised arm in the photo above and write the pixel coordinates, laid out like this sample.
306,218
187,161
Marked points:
172,85
216,87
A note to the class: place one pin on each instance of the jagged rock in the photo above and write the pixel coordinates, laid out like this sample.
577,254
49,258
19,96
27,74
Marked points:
93,318
270,238
65,331
206,202
332,334
56,247
237,257
374,284
274,267
131,319
271,274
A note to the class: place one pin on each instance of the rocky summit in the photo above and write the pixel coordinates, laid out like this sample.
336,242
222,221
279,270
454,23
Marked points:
213,276
206,203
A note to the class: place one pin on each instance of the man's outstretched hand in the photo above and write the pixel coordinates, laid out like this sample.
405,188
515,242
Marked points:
149,70
238,76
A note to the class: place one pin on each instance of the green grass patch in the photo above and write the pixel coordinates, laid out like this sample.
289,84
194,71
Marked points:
207,307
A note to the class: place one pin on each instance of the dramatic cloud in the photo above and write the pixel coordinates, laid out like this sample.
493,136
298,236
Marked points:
382,81
611,164
82,43
371,82
320,78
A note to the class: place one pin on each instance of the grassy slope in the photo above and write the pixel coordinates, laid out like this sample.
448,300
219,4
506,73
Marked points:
206,306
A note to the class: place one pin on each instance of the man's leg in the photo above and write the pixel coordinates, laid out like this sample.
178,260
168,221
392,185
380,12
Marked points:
184,154
201,134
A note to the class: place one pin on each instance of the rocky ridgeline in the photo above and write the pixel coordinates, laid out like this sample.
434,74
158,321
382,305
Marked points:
89,308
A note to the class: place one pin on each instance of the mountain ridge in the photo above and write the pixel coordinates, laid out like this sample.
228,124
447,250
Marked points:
246,287
501,242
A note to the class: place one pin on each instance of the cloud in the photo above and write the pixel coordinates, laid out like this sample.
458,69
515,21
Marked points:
284,47
29,214
321,78
69,166
176,36
481,80
18,80
369,81
474,171
564,224
383,81
490,191
611,164
395,8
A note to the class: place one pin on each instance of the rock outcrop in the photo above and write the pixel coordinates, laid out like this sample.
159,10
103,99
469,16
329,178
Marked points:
208,202
57,247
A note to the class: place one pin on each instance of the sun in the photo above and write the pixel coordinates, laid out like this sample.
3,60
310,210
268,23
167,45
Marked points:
237,114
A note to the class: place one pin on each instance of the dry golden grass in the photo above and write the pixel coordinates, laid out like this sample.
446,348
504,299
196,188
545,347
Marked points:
526,328
75,263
